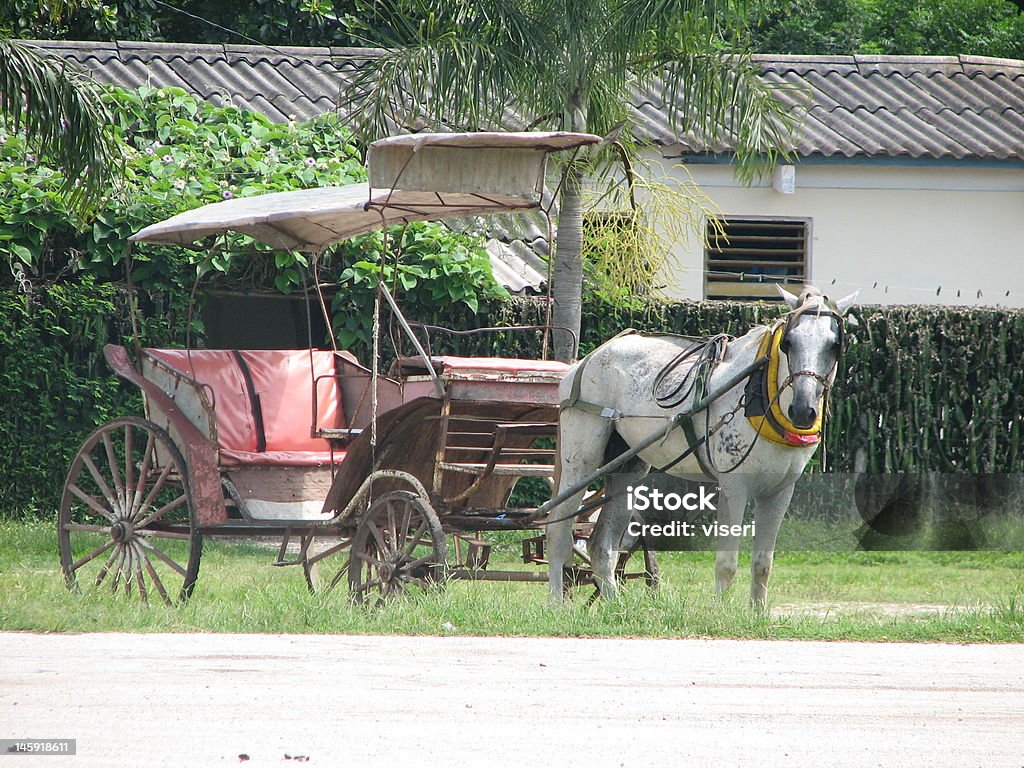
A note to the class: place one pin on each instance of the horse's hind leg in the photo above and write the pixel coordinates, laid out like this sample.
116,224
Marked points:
606,540
581,442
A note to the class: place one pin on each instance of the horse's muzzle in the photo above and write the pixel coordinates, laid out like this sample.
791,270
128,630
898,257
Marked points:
803,416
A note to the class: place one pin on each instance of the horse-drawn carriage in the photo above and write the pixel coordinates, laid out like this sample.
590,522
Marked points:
389,479
377,473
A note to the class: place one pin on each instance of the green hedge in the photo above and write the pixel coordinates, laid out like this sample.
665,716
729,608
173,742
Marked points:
923,388
54,384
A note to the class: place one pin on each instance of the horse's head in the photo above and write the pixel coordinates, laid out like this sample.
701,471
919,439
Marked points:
812,339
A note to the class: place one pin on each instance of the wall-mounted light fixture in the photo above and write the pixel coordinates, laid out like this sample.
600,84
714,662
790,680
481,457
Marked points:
784,179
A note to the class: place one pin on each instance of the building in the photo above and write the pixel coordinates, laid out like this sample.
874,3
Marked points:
907,181
907,184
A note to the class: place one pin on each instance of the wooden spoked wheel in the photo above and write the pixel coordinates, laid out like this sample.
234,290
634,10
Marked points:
126,519
399,545
325,562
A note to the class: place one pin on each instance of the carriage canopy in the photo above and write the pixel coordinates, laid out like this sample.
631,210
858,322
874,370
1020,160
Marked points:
411,178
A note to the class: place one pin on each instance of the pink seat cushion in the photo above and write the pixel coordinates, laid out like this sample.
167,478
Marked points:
501,365
283,381
218,370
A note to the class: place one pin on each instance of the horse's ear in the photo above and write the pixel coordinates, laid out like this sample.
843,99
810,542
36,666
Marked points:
846,302
789,298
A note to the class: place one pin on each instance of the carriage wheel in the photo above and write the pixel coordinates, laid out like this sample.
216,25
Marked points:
325,566
126,519
399,544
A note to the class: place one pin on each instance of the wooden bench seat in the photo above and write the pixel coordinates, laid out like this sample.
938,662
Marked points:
263,402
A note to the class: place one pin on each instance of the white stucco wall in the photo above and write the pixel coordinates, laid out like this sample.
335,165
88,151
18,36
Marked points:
898,233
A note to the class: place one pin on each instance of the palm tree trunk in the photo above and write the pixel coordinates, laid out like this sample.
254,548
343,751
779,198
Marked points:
567,275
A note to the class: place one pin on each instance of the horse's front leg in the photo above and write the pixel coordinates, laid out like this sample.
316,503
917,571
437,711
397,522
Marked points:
768,514
732,503
582,438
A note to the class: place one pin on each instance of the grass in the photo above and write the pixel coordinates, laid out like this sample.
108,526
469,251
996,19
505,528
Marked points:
826,596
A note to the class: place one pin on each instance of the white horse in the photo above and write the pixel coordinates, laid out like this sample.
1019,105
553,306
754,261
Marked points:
617,388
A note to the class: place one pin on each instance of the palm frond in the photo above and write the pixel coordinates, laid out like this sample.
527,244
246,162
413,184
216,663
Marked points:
638,20
711,90
443,64
568,64
62,116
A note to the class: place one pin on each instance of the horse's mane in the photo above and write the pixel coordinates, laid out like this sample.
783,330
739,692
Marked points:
808,293
814,297
750,339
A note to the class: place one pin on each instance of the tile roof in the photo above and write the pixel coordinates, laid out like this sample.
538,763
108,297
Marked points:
947,107
283,83
944,107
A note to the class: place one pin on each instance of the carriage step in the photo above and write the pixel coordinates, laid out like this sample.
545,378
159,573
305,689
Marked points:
517,470
478,553
533,550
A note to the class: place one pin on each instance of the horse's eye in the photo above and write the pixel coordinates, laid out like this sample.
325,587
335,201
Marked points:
784,345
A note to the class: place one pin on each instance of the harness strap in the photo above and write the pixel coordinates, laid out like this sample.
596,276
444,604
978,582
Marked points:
597,410
573,401
703,357
694,443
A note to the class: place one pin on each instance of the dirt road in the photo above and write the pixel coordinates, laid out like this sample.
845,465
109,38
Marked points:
211,700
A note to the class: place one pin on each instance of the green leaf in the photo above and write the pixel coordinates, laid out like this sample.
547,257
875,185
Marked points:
24,254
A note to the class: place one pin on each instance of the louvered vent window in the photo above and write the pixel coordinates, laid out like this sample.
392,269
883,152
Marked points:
746,259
